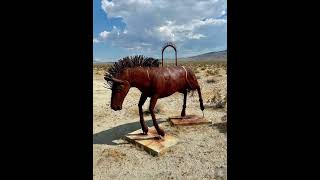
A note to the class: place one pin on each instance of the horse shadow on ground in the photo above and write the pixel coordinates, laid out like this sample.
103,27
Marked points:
116,133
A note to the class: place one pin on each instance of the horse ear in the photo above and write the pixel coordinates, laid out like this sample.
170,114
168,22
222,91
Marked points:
117,81
108,78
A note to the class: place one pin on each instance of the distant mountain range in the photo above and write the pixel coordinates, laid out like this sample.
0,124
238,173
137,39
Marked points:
219,55
102,62
211,56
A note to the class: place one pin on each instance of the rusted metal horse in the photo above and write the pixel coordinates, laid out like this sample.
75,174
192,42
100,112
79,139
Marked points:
153,81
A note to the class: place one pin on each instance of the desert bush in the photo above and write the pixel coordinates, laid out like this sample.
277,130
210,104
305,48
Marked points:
101,67
211,81
113,153
218,101
224,118
210,72
198,77
220,104
194,69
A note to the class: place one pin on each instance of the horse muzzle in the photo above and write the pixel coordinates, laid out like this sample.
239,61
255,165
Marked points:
116,107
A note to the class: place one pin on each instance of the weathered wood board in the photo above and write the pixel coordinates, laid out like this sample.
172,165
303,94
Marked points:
151,142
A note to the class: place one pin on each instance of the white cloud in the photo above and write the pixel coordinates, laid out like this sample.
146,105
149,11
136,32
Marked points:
106,5
223,12
173,32
197,36
104,34
190,24
95,40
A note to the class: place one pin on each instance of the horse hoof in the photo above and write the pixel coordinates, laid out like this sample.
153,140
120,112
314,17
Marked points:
145,131
161,132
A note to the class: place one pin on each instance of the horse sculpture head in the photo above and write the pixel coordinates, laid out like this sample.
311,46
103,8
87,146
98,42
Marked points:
117,79
120,89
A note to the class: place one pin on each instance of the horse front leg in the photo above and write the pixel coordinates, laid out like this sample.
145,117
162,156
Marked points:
142,100
153,102
183,112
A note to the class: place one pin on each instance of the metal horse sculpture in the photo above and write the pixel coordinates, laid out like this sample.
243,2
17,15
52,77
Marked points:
153,81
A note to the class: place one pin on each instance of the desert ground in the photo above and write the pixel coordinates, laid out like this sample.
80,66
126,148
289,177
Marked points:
201,152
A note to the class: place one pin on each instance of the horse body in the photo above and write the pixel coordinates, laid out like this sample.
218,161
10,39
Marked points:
161,81
153,81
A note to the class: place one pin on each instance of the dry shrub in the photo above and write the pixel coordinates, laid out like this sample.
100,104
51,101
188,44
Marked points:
194,69
220,173
211,81
101,66
218,101
210,72
224,118
113,153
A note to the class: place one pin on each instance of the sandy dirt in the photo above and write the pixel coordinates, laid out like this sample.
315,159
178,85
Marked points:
201,152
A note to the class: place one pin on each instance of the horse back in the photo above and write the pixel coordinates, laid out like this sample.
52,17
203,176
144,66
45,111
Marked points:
168,80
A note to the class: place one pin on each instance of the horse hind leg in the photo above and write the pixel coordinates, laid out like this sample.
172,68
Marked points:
193,84
200,98
183,112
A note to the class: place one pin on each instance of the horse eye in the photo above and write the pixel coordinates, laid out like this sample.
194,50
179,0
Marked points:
119,88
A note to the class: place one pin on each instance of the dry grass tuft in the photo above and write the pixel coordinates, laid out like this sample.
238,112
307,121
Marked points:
113,153
210,72
211,81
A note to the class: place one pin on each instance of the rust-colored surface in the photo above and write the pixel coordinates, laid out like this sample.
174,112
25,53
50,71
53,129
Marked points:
153,81
152,143
188,120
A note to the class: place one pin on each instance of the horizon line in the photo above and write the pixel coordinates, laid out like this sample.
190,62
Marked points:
115,59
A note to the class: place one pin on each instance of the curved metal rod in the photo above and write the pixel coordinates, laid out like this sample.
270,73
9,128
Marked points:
169,45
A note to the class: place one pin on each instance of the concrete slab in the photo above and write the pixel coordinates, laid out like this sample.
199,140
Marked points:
188,120
151,142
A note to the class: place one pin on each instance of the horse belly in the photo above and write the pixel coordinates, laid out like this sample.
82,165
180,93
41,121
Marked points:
171,87
167,93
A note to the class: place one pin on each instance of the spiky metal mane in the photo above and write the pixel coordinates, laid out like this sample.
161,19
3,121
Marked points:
130,62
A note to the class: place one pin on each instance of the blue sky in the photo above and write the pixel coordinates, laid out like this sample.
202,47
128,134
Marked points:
131,27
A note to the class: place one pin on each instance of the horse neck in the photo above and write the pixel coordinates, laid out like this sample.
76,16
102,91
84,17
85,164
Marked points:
138,77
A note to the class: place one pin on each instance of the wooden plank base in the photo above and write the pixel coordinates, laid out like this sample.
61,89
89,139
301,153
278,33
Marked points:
152,142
